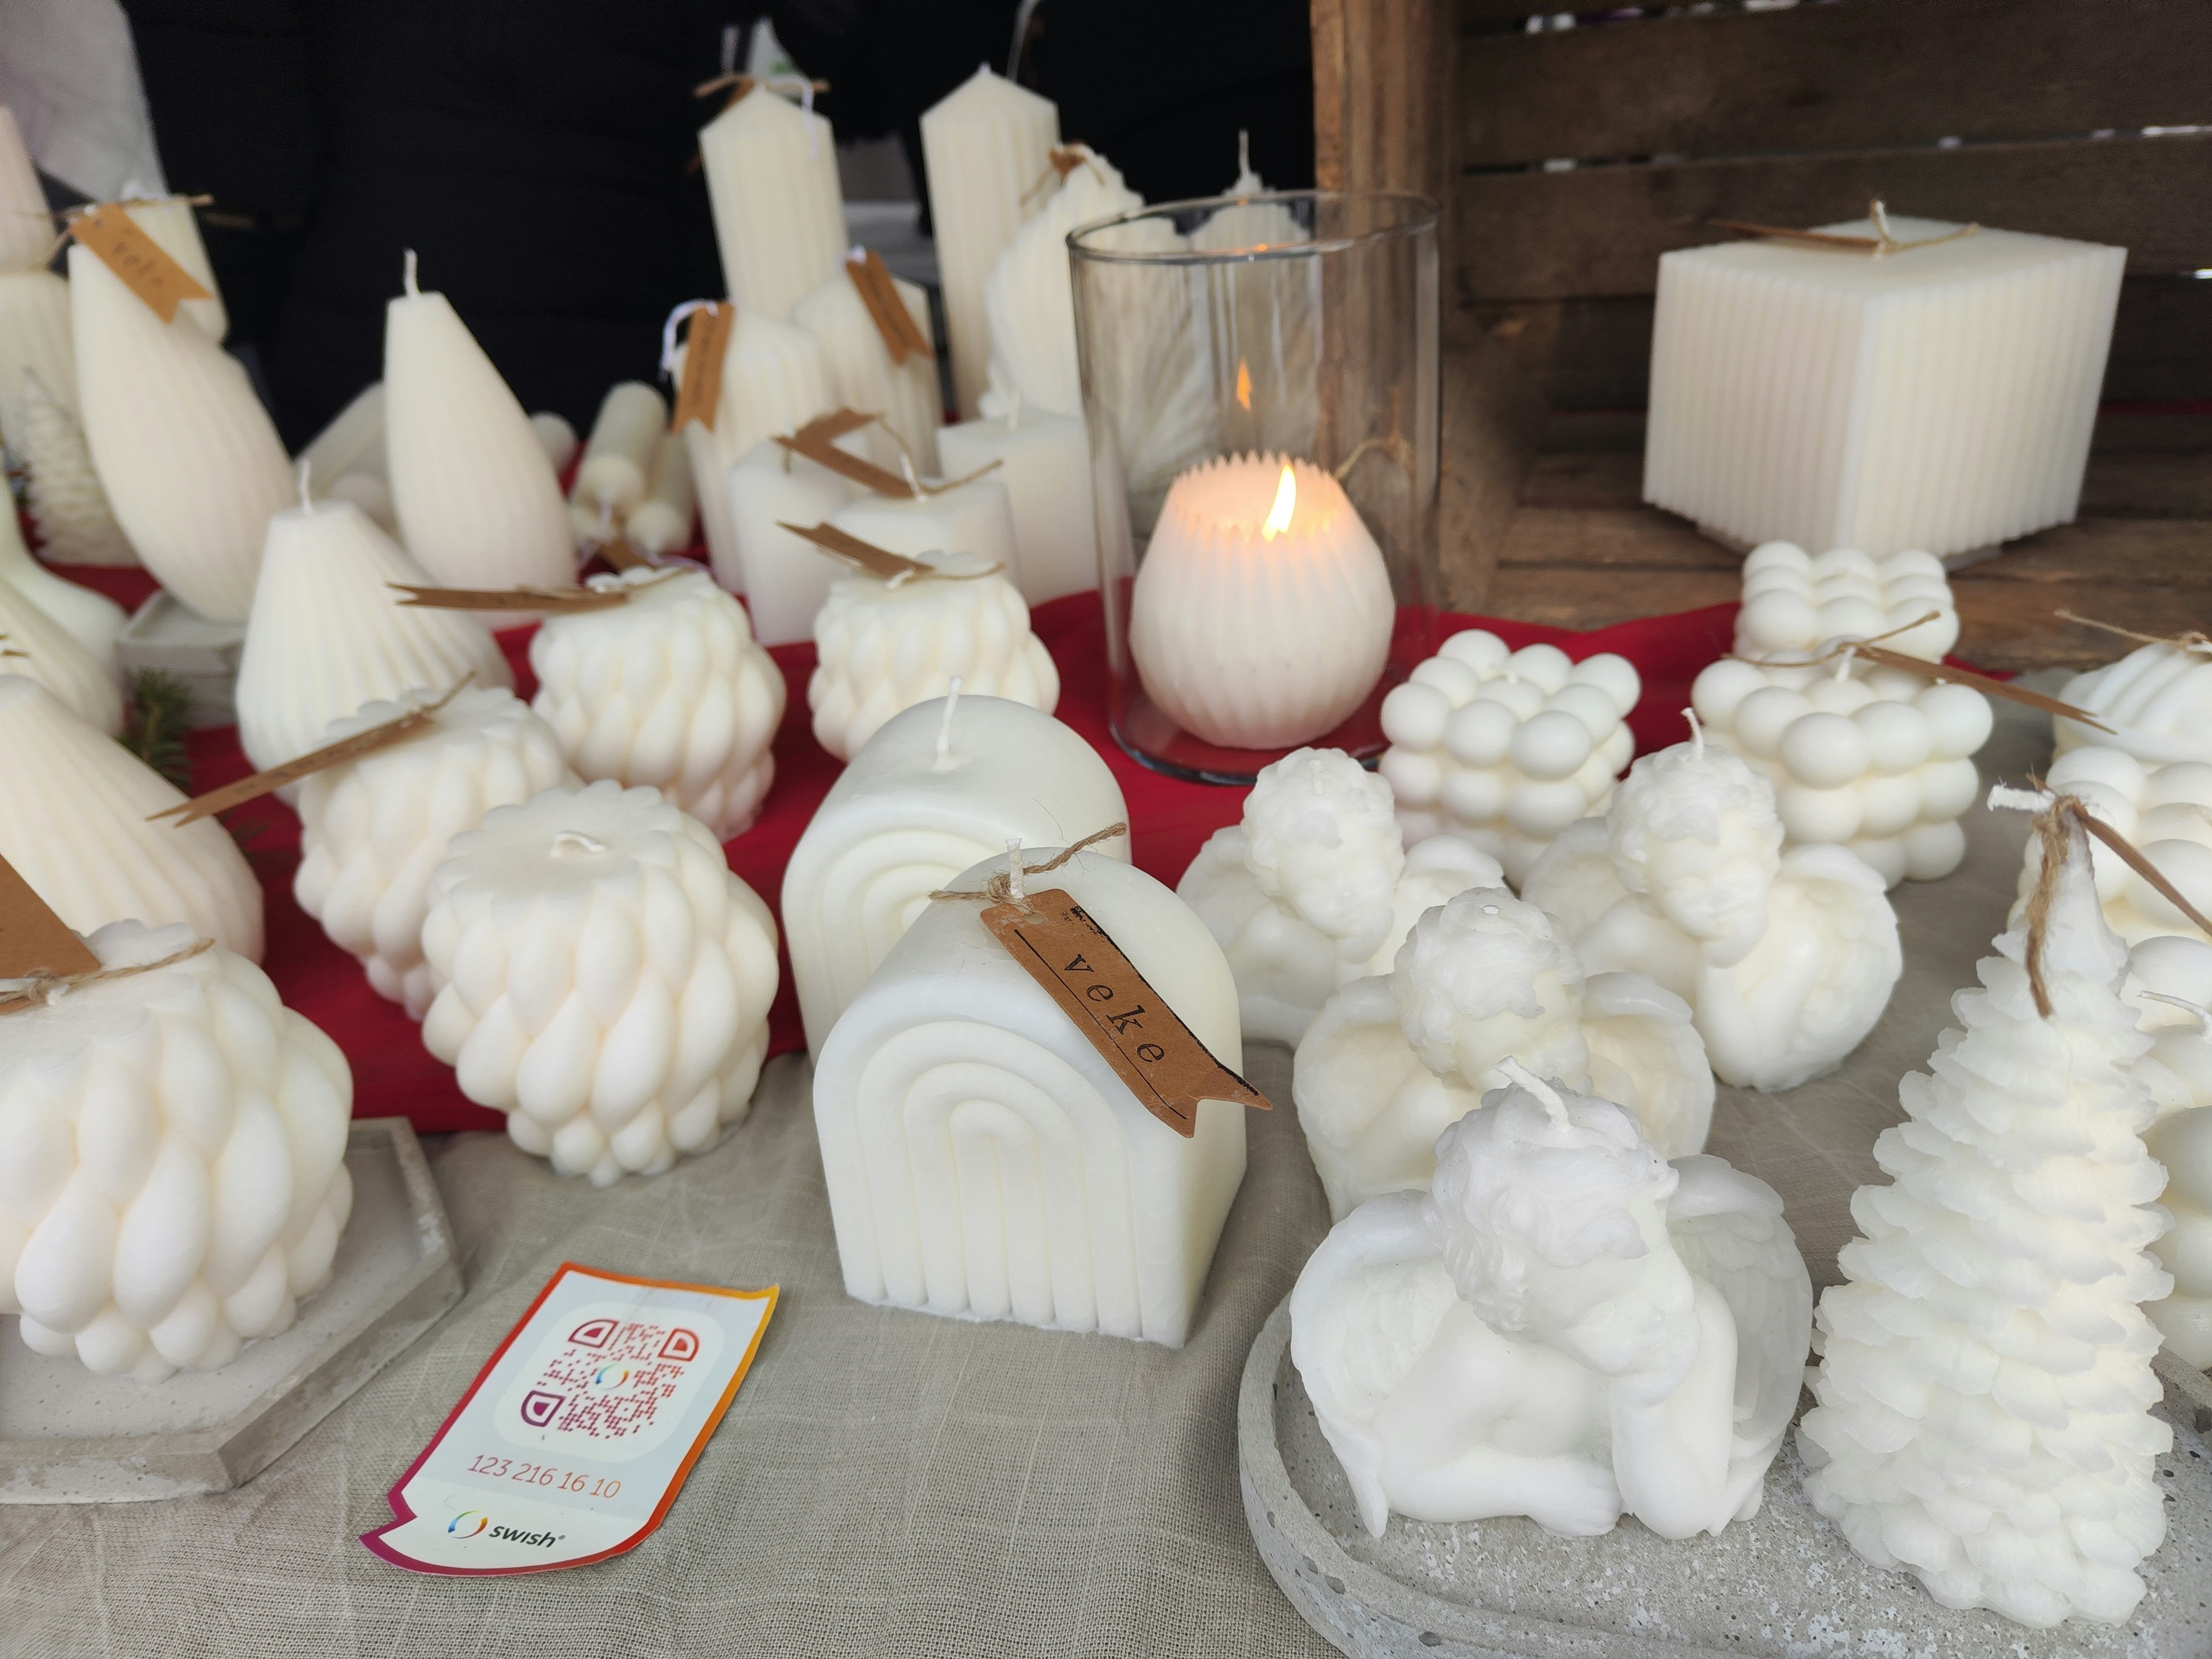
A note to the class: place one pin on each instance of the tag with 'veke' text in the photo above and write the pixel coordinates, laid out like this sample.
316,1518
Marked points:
143,265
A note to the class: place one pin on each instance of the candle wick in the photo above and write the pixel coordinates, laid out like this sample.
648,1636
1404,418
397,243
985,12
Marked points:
307,501
944,728
571,841
1844,665
1697,733
1244,153
2203,1014
408,274
1014,870
1521,1076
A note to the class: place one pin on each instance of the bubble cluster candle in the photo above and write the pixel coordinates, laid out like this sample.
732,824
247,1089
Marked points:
2164,812
173,1181
1797,602
1506,749
599,975
2157,701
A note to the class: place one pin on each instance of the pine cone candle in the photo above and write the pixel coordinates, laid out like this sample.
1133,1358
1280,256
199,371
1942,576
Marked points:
374,830
1985,1383
75,524
2165,811
601,977
668,691
174,1179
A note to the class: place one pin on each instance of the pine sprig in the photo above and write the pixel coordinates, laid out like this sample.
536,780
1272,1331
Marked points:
153,728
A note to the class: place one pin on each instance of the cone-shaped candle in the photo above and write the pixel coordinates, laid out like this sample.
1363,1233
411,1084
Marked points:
38,647
779,212
191,465
478,504
76,524
175,1155
73,822
92,619
329,633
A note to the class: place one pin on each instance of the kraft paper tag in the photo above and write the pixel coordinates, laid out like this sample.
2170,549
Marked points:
306,766
621,556
1168,1069
573,1440
33,939
879,562
555,600
706,343
902,336
145,268
818,441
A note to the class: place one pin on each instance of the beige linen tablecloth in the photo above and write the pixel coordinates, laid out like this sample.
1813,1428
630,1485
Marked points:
886,1484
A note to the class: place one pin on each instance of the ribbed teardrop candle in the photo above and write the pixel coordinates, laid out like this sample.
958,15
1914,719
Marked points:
864,376
73,822
1261,615
329,634
478,503
92,620
38,647
192,464
170,222
25,233
353,440
778,210
76,524
34,336
669,691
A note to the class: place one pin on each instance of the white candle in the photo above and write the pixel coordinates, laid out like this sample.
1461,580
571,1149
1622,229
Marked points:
38,647
1045,466
661,523
329,634
881,646
478,506
862,375
986,148
555,437
2164,812
371,493
774,380
668,691
1504,748
190,464
175,1142
73,822
935,790
785,578
1985,1380
1313,889
617,458
1485,979
373,830
601,977
34,336
171,223
1029,299
975,518
1261,615
2157,701
92,620
1791,399
1568,1328
76,524
1787,959
1878,760
984,1161
778,210
353,441
26,235
2179,1070
1796,601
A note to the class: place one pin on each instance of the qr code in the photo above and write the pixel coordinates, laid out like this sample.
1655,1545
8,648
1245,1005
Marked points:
610,1380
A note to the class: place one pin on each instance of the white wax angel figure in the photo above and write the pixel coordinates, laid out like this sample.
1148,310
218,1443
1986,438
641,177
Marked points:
1315,889
1786,958
1393,1061
1567,1327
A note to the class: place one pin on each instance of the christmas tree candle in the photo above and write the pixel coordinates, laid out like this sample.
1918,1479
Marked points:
2170,986
778,210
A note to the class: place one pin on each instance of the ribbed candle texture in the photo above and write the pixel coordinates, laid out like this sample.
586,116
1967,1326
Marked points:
778,210
862,375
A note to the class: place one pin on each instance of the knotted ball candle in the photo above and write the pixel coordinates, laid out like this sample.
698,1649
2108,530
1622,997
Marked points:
174,1179
39,647
1505,748
2157,701
1261,615
1794,601
600,976
373,830
668,691
885,644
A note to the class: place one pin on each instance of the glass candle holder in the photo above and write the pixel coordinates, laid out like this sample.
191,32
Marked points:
1260,383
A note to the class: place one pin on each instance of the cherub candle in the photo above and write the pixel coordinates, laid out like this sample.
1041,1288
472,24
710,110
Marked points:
73,822
189,459
1043,462
668,691
91,620
1263,611
174,1181
863,374
779,211
984,1161
600,976
617,458
329,633
373,830
936,790
2157,701
37,647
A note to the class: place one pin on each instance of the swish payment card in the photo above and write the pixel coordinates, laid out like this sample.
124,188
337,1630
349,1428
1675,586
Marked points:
578,1433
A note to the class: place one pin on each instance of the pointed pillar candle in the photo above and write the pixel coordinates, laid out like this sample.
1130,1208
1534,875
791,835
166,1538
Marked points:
863,376
1044,466
778,210
192,464
478,505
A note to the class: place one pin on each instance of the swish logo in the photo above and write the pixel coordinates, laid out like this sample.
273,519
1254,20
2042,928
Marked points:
474,1523
468,1524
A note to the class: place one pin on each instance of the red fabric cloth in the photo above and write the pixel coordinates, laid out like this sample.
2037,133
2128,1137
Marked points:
395,1076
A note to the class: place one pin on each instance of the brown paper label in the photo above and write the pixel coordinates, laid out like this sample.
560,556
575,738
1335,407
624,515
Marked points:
146,270
559,601
621,556
316,760
33,939
877,561
818,441
902,337
1168,1069
706,343
1065,158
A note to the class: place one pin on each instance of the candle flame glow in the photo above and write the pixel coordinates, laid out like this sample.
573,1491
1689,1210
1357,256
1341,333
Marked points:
1243,386
1286,503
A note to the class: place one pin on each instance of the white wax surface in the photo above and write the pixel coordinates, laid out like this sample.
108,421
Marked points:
625,436
2157,701
862,375
353,441
785,578
2164,812
35,335
774,380
76,524
661,523
45,651
92,620
1029,299
899,823
983,1161
779,212
1045,466
26,232
974,518
173,227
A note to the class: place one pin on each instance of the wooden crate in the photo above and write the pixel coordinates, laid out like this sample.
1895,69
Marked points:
1568,159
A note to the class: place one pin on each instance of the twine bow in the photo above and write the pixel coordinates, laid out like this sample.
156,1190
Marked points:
1008,886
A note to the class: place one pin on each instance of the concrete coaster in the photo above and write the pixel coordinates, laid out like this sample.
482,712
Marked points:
70,1437
1782,1585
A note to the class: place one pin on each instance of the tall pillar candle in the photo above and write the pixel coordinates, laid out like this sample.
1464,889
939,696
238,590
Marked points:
1044,466
778,210
26,232
175,229
662,522
92,620
187,455
984,1161
774,380
617,458
76,524
34,336
862,374
39,647
785,578
478,505
971,518
939,787
987,149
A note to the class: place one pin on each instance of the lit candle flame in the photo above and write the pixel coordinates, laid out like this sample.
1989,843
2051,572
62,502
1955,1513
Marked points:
1243,386
1286,502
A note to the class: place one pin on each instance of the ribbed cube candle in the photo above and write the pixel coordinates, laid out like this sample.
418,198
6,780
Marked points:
1937,397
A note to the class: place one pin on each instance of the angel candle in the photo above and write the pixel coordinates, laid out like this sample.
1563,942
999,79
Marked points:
779,211
1263,611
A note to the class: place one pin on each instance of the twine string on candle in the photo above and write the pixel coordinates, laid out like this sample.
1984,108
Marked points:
40,989
1006,886
2191,640
1521,1078
1062,160
1879,246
